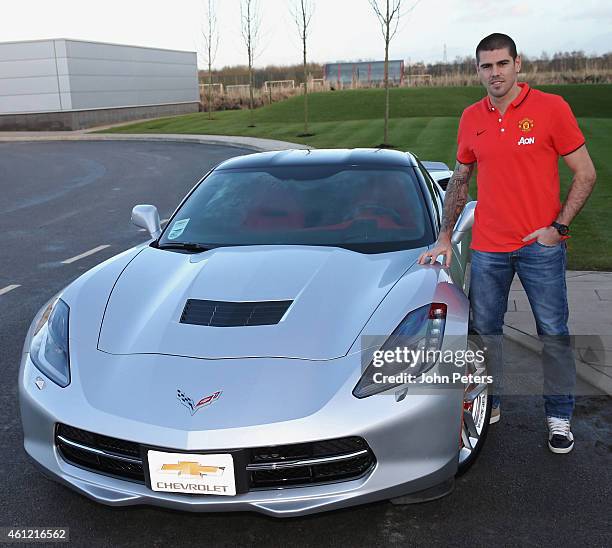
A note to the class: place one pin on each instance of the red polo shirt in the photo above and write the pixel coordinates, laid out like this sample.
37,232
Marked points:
517,157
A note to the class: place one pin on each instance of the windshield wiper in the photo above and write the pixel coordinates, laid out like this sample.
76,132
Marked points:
187,246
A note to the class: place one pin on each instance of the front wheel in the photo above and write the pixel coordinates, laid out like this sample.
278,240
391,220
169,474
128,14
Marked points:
476,413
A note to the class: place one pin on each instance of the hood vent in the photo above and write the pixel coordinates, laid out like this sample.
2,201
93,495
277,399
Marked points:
233,314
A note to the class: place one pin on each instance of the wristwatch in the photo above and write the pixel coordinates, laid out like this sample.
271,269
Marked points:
561,229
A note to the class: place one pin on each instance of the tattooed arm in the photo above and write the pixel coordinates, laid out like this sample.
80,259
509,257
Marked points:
455,197
454,201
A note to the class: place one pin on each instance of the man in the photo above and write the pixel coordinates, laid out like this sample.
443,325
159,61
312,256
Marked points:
515,136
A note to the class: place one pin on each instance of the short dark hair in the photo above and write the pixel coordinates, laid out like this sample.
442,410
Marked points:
496,40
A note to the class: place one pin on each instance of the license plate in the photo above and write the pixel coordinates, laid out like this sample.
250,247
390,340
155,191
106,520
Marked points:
210,474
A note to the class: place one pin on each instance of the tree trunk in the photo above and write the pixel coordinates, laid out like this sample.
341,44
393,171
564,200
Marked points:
251,100
386,78
210,80
305,88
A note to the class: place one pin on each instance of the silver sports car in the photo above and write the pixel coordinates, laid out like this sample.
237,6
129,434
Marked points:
275,348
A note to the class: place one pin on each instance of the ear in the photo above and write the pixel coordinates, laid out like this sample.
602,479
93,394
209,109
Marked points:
517,64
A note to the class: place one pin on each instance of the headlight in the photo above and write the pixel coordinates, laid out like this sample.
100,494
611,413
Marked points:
418,336
49,349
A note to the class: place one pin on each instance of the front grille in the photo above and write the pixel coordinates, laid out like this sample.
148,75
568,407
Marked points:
108,465
100,453
233,314
270,467
104,443
324,448
308,463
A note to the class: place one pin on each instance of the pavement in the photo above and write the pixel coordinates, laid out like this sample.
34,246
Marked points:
589,293
590,322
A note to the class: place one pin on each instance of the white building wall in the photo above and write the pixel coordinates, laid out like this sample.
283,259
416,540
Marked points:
105,75
64,75
28,77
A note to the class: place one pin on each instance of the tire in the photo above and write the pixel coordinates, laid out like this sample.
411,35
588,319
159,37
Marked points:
476,414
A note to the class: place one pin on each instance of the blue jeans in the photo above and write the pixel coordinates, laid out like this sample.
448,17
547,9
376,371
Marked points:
541,270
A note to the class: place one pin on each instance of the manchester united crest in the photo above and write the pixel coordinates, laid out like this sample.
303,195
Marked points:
526,125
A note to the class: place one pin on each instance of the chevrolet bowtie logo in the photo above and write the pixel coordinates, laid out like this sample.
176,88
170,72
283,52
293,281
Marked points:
188,468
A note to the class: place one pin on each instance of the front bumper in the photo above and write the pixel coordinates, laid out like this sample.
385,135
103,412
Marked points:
414,441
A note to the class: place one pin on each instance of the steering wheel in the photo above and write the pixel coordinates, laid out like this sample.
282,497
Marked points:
378,209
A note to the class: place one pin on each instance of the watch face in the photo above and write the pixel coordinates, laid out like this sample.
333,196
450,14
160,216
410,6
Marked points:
562,229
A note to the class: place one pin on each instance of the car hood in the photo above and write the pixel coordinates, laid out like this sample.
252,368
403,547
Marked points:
333,291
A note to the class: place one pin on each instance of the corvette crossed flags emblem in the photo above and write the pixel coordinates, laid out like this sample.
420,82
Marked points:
195,407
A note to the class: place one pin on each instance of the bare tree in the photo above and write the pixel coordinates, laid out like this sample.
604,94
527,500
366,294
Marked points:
388,16
302,14
211,44
250,24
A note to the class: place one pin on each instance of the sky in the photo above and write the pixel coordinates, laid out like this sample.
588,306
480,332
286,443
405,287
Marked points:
340,29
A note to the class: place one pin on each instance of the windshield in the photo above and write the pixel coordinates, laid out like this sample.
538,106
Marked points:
367,210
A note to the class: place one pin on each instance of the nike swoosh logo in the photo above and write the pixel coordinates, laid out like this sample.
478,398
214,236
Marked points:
480,132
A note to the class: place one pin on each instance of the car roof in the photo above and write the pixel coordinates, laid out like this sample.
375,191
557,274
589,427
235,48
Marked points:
321,157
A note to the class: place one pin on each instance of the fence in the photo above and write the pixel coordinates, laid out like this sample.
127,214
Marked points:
536,78
279,84
215,88
238,89
236,96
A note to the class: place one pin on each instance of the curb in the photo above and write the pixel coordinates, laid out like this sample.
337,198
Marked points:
584,370
254,143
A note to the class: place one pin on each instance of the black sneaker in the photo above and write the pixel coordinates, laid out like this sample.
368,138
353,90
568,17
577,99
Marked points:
560,438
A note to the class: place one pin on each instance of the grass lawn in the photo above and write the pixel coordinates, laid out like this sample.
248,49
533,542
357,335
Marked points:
423,121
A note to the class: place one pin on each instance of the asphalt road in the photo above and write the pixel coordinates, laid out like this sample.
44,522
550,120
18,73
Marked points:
59,200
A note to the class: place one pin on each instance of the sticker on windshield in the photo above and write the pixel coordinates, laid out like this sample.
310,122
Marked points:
177,229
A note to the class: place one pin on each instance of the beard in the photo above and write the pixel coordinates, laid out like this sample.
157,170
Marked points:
501,89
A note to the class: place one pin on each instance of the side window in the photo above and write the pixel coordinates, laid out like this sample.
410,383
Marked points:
434,192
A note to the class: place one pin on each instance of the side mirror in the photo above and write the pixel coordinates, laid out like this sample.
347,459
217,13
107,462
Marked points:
464,223
147,217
